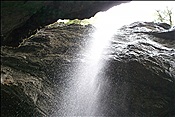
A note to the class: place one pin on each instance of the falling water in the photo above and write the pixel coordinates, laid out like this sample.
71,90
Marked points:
81,96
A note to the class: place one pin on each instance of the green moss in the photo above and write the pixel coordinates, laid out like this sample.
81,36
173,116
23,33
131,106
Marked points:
77,21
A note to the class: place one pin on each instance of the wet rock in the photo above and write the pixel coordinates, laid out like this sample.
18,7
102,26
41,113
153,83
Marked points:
138,78
164,25
30,72
170,35
157,31
141,67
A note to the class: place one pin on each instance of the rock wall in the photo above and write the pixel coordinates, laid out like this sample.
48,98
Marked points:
20,19
139,71
30,72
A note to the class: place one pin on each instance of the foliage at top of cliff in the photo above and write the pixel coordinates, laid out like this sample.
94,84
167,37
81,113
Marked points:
68,22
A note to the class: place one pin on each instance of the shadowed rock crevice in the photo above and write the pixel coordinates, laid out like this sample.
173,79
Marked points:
14,105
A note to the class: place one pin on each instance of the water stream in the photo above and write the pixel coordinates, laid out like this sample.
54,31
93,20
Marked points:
82,95
81,98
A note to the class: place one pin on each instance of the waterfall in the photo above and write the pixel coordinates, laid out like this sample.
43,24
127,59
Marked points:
81,98
83,92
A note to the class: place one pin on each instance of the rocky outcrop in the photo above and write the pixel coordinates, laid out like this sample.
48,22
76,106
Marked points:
30,73
139,73
165,31
20,19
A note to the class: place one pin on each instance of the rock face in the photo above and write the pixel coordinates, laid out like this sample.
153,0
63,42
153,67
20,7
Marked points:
20,19
142,67
168,34
30,72
139,74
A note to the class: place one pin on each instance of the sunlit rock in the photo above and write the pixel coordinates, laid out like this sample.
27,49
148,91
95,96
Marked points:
160,30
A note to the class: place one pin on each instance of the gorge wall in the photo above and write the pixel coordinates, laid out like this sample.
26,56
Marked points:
20,19
139,70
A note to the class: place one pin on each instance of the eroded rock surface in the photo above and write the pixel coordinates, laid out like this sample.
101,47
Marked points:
33,68
139,73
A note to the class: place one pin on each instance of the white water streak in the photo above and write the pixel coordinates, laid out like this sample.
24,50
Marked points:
81,98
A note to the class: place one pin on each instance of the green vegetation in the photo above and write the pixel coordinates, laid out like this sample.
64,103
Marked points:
164,16
77,21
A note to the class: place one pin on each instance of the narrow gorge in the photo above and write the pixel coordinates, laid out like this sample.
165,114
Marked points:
63,70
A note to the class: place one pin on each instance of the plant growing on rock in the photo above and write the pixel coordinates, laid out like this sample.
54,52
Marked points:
164,16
